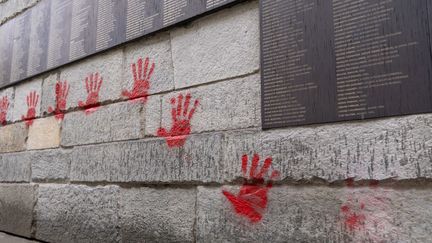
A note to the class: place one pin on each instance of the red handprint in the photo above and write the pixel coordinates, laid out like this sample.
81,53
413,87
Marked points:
93,85
61,92
141,80
4,106
32,101
181,117
252,198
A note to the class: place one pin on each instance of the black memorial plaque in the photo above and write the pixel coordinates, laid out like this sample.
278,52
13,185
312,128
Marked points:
326,61
57,32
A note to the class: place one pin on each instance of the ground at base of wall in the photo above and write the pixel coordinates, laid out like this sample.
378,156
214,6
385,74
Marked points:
6,238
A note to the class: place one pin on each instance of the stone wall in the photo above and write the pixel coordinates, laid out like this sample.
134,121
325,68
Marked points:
107,167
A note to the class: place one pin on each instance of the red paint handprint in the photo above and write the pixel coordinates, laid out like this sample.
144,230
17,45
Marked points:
252,198
4,106
32,101
141,80
181,116
93,85
61,92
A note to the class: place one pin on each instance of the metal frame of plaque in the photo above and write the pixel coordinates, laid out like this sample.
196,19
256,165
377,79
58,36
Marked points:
58,32
338,60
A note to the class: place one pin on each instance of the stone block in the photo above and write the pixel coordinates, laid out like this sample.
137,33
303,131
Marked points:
318,214
13,138
220,46
157,215
49,92
22,91
15,167
50,165
16,208
44,133
227,105
150,161
69,213
153,115
109,65
389,148
120,121
9,94
158,49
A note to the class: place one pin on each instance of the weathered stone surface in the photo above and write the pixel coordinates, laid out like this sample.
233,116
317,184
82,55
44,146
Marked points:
15,167
9,93
153,114
232,104
9,9
44,133
397,148
68,213
157,215
50,165
120,121
110,67
16,208
13,138
150,161
20,102
158,49
217,47
13,239
319,214
49,93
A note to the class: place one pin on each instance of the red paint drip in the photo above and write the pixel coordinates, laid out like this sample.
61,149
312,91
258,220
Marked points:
142,77
61,92
4,106
181,117
93,84
32,101
252,198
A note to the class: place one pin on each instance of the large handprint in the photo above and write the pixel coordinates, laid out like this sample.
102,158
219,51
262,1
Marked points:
61,92
141,80
93,85
32,101
251,201
181,117
4,106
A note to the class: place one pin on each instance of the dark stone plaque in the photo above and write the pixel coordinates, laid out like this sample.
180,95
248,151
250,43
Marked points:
57,32
326,61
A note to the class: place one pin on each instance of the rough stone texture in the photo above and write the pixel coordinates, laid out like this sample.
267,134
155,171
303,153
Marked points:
50,165
16,208
153,115
120,121
48,91
9,93
11,8
389,148
110,67
13,138
314,214
44,133
20,102
15,167
158,49
150,161
13,239
157,215
68,213
227,105
217,47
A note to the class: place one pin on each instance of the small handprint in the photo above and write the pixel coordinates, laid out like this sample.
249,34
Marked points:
252,198
181,117
4,106
61,92
32,101
93,85
141,80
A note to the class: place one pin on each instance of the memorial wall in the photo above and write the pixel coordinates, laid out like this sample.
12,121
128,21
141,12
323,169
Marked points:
57,32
